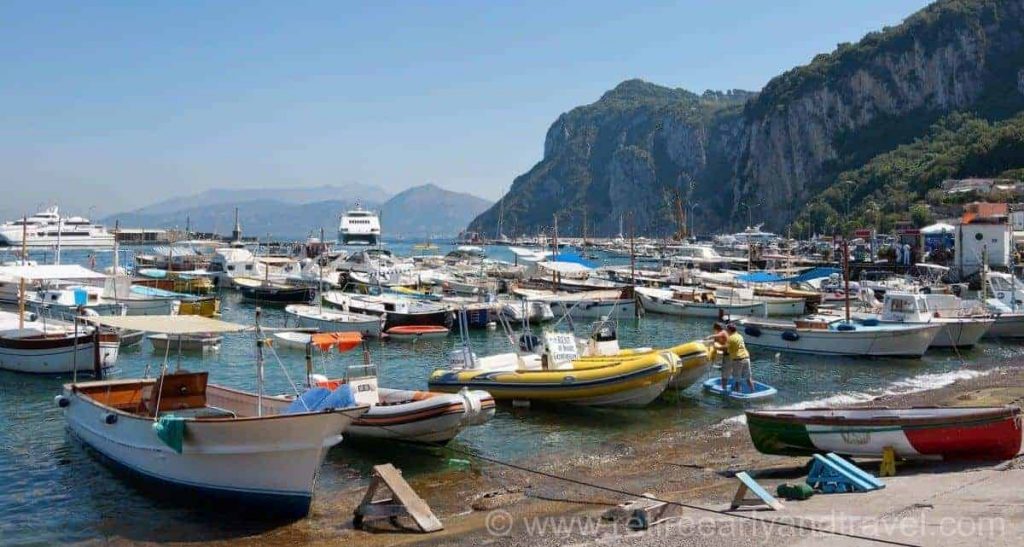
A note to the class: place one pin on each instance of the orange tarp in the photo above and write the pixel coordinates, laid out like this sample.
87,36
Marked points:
344,341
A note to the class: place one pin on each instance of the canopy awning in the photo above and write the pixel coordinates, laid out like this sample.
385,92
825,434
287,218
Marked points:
50,271
168,324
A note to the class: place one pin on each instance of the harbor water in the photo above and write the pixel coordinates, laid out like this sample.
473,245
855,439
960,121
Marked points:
54,491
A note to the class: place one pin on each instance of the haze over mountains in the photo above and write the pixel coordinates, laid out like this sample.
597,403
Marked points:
421,211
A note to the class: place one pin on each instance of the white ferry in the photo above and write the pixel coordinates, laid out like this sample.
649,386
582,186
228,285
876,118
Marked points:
46,228
359,227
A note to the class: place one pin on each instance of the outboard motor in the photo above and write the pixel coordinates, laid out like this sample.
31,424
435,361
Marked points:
529,343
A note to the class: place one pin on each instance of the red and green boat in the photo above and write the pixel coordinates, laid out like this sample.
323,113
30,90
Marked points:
959,433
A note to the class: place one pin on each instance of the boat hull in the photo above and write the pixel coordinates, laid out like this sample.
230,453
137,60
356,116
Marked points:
1008,325
633,383
422,416
623,308
904,342
668,306
57,355
926,433
270,461
961,333
371,326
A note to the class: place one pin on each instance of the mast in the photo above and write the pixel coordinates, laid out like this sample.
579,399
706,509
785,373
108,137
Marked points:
632,262
320,269
846,275
259,365
56,258
554,251
21,282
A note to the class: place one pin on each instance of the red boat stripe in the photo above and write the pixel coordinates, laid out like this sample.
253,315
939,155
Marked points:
999,440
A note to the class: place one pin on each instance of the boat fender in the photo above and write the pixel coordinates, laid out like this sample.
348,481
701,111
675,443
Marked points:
846,327
751,330
62,401
872,322
110,418
790,335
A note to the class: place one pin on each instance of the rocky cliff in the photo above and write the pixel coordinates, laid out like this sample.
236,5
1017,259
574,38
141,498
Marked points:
738,156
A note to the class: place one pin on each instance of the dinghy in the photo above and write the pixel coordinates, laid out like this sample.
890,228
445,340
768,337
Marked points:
959,433
739,390
186,436
292,340
417,332
397,414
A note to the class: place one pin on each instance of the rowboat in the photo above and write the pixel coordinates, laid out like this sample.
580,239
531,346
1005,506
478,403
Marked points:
292,340
188,342
331,320
53,347
739,390
417,332
673,302
963,433
820,335
183,435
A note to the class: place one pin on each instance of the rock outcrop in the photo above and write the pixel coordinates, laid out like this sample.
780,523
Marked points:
738,156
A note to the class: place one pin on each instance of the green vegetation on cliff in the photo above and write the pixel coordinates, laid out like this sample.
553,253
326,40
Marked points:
892,186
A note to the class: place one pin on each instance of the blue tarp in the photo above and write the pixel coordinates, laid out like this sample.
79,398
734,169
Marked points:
573,258
766,277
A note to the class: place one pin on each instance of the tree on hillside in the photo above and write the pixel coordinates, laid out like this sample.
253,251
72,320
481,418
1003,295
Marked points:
920,215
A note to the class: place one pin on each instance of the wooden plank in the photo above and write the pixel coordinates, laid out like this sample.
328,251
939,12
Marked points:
748,483
418,509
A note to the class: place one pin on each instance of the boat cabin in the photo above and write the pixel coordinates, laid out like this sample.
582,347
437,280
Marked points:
185,394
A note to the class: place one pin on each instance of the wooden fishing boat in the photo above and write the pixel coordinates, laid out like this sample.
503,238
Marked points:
821,335
185,342
695,304
332,320
739,390
959,433
273,292
53,347
417,332
396,310
182,435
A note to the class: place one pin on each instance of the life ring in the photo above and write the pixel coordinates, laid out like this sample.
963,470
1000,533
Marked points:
1000,295
790,335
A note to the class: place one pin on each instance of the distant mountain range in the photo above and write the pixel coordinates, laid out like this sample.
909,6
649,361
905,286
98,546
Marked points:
292,213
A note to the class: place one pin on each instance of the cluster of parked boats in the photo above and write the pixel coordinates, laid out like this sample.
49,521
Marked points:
177,429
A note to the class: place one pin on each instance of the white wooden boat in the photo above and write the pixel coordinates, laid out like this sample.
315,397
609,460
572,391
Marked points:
775,306
52,347
820,335
613,304
694,304
333,320
183,435
185,342
292,340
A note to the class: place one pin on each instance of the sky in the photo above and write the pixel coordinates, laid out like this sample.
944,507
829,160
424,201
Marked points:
109,106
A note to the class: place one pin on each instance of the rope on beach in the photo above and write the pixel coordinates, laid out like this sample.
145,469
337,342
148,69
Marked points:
578,482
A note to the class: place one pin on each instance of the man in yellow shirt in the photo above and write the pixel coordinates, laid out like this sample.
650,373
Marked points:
738,364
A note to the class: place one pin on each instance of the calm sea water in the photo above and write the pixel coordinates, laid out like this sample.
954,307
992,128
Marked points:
53,491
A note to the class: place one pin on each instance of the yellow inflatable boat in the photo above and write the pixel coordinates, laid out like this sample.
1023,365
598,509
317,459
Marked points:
693,361
631,382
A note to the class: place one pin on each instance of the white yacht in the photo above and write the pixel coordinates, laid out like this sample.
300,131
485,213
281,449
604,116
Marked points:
45,228
359,227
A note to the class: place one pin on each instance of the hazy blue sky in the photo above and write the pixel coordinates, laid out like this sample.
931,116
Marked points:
117,104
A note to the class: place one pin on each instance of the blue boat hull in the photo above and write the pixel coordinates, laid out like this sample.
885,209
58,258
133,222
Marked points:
740,391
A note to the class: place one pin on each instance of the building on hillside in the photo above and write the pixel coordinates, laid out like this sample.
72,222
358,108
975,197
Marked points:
984,235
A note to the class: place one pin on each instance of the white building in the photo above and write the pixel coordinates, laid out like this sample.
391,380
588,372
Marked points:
990,237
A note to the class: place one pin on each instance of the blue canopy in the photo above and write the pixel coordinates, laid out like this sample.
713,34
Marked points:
808,275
